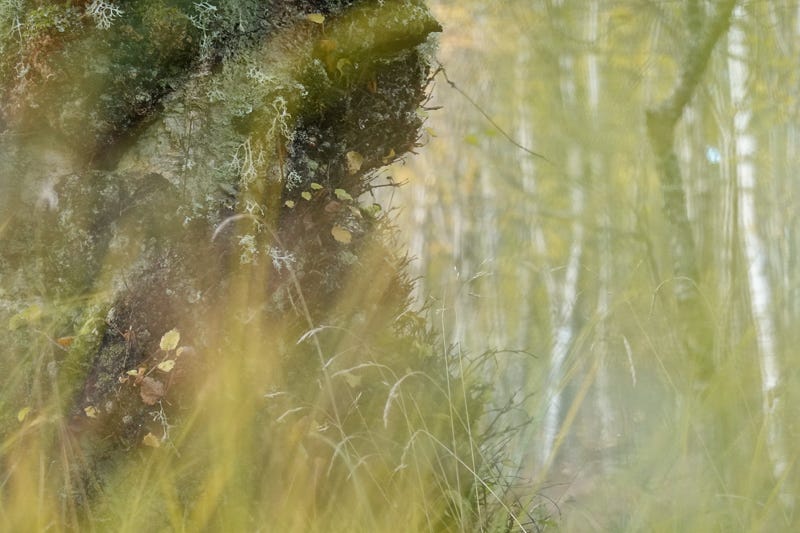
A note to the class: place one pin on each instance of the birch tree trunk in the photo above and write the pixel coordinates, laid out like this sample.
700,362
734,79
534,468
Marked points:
755,251
563,302
603,222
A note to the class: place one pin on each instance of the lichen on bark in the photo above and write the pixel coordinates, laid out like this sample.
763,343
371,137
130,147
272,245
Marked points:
202,167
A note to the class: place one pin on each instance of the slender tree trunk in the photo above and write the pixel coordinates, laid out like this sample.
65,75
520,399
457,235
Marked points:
696,329
418,237
517,374
564,330
489,231
604,406
602,398
761,297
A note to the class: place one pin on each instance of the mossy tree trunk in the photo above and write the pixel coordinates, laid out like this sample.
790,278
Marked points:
697,331
207,168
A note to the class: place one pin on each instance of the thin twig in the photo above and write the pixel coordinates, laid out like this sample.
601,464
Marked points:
489,118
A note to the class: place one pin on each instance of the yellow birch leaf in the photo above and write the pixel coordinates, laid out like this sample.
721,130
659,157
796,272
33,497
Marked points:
343,64
170,340
289,204
151,440
341,235
354,161
166,366
342,194
389,157
316,18
23,413
306,195
91,411
315,186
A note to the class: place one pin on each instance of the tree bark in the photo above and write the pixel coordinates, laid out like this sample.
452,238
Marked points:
760,287
198,167
697,330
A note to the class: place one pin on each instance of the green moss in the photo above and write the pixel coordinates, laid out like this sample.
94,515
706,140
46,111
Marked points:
88,332
48,18
194,146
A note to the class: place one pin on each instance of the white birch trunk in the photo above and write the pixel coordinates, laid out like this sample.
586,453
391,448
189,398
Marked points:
461,262
489,232
418,239
607,431
603,403
561,296
516,374
761,299
564,327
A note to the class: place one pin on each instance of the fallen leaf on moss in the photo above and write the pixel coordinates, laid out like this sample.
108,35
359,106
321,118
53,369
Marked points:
341,235
354,161
306,195
316,18
166,366
315,186
22,413
170,339
91,411
151,440
342,194
65,342
388,158
289,204
151,391
343,64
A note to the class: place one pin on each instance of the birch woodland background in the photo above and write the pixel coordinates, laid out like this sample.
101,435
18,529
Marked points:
638,289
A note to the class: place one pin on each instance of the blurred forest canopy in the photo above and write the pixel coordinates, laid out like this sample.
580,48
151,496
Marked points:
206,320
640,291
